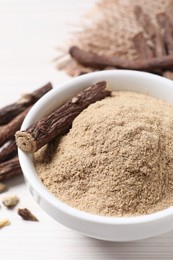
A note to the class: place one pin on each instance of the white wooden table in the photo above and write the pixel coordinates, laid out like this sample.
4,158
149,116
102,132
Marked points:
30,31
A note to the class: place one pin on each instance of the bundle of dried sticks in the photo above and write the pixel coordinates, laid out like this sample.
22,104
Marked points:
154,48
141,40
11,118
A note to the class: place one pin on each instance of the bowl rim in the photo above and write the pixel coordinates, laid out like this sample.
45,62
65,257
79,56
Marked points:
32,178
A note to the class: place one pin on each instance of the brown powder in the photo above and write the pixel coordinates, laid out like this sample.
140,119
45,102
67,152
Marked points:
117,159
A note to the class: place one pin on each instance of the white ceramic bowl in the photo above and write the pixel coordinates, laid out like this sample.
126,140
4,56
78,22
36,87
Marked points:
105,228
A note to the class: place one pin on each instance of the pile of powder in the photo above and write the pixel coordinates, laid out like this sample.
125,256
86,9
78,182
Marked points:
117,159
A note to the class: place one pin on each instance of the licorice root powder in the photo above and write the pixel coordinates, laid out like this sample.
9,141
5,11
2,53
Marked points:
117,159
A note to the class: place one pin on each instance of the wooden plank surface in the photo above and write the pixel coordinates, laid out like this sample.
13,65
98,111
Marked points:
30,31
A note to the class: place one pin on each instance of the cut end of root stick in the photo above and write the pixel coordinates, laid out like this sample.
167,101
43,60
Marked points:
25,142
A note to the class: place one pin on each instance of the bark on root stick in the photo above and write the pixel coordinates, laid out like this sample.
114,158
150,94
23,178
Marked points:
93,60
166,31
141,46
60,121
151,31
7,113
10,168
8,151
7,131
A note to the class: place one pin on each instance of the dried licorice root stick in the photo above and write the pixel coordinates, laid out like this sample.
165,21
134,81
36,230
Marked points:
8,151
101,62
144,51
9,112
10,168
151,31
166,31
144,20
59,121
170,11
7,131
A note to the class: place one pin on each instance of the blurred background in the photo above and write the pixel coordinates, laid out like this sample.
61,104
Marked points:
30,32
